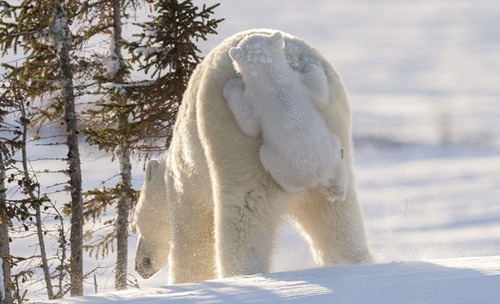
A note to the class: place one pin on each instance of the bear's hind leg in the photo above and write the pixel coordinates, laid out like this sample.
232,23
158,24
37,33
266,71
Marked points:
246,230
335,229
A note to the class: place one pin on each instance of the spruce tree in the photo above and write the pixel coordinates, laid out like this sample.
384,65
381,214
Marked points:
110,112
167,48
41,30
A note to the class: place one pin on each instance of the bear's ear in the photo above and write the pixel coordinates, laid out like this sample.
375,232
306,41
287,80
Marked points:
277,40
151,168
236,53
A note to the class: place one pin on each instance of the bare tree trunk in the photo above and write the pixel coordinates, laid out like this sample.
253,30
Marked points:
123,209
125,169
67,95
33,197
62,257
5,294
41,242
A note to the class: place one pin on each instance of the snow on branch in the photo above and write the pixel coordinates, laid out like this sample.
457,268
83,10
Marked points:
111,62
121,87
147,51
56,33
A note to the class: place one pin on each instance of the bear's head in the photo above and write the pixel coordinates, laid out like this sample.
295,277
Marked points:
256,51
153,222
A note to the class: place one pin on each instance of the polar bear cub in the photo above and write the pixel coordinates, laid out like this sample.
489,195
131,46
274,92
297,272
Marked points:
282,105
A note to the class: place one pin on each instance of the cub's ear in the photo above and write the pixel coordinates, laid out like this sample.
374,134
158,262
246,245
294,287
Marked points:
236,53
151,168
277,40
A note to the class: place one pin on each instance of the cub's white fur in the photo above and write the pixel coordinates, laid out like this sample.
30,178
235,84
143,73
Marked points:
281,105
210,204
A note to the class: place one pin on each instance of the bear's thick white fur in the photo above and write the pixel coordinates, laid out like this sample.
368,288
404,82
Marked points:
281,105
220,209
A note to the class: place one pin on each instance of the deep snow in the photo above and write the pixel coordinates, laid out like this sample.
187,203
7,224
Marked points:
423,82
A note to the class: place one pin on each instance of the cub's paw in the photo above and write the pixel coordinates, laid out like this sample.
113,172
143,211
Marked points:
335,191
233,88
308,65
336,186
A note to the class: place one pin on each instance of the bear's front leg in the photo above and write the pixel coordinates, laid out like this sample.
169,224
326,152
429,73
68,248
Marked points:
315,81
192,252
243,110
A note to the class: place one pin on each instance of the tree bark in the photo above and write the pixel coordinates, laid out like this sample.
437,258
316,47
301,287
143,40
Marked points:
124,168
5,294
74,170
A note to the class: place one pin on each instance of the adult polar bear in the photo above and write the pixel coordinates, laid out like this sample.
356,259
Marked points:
219,213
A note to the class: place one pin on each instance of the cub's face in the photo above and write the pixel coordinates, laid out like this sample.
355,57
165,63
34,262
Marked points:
255,51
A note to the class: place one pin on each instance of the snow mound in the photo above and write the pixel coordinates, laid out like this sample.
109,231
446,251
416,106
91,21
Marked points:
461,280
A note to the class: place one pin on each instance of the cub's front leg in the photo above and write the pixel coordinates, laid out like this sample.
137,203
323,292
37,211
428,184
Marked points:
243,110
314,79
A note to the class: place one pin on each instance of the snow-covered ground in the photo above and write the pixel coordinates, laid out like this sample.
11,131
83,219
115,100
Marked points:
423,78
462,280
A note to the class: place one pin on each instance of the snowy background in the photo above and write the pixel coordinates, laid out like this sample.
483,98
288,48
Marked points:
423,79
